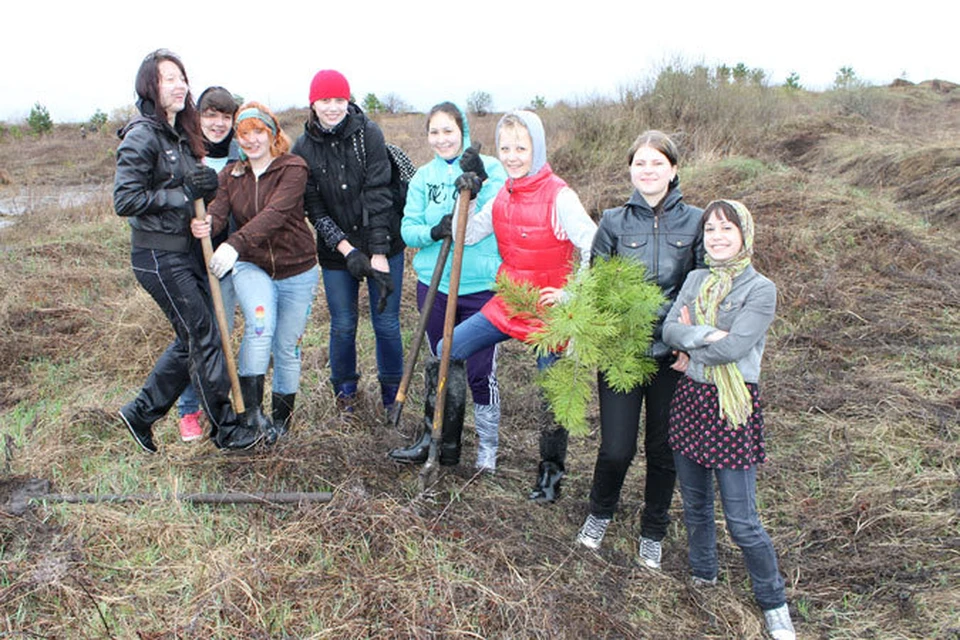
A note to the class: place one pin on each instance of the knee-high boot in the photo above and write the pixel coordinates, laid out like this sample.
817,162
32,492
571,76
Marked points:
253,423
486,417
453,413
553,455
282,408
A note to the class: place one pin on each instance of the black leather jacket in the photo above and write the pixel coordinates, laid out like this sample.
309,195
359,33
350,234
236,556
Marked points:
348,189
152,161
668,240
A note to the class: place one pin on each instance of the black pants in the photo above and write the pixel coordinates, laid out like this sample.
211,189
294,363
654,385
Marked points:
178,283
619,428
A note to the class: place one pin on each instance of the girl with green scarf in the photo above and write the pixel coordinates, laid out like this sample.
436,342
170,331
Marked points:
720,319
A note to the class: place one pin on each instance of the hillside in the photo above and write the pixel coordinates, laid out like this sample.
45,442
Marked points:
856,200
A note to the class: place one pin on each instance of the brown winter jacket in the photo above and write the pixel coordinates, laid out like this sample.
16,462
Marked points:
272,231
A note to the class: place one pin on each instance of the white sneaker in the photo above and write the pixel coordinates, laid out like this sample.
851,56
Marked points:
591,533
779,624
650,552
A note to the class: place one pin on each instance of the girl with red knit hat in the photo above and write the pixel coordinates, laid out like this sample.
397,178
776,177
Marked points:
350,204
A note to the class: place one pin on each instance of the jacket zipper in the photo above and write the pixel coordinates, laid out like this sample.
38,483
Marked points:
656,245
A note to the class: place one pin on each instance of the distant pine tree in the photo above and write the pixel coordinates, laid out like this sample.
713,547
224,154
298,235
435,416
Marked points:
606,323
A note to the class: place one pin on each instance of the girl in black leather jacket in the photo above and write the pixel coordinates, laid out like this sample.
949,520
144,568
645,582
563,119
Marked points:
157,181
662,232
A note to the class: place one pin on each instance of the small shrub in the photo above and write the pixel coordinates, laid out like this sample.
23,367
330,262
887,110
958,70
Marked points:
793,81
98,120
372,104
39,120
538,102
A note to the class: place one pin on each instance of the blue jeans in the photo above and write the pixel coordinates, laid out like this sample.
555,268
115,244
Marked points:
342,291
275,314
738,493
475,334
189,402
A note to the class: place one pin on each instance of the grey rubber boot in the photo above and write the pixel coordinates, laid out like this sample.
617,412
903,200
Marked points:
487,420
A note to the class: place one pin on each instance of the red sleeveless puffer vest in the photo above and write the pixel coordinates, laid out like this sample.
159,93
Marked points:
522,214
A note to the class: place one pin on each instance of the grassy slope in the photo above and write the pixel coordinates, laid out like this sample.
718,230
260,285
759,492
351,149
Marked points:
860,495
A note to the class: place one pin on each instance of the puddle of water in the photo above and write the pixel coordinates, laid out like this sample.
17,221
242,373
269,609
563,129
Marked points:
46,197
23,201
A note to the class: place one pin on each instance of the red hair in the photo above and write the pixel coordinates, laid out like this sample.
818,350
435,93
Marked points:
280,143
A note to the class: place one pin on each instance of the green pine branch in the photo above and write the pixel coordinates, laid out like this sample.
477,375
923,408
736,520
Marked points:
606,324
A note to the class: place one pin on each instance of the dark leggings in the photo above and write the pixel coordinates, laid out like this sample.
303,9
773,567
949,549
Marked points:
619,429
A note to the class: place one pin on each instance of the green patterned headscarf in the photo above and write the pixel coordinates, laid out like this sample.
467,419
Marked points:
736,404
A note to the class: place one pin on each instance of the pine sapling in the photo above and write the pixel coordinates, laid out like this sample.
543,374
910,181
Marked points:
605,322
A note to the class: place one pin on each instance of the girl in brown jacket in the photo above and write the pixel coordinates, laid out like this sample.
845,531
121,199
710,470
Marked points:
272,254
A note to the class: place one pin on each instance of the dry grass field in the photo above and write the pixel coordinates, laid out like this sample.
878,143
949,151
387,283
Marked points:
857,204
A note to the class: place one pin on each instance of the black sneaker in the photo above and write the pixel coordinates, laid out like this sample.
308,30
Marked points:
143,434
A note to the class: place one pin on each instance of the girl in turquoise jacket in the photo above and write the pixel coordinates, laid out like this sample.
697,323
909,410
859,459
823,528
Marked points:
426,222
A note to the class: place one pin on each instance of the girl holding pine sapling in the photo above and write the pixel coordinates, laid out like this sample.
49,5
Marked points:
427,221
538,222
660,231
721,319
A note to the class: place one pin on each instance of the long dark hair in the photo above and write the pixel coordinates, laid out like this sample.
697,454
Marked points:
148,89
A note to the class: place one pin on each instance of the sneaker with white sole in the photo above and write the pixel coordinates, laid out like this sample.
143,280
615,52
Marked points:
779,624
699,582
190,428
650,552
591,533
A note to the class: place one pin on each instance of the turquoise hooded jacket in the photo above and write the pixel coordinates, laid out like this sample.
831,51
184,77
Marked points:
431,196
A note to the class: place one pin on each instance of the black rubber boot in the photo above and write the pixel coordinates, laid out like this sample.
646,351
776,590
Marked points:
252,426
454,409
141,431
553,455
417,452
282,412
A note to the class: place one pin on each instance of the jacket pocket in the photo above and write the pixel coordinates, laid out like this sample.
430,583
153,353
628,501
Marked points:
633,246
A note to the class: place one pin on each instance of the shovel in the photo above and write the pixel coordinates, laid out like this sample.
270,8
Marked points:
417,341
249,421
428,475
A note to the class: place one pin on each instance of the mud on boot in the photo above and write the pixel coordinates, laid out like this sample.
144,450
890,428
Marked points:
345,395
547,489
388,396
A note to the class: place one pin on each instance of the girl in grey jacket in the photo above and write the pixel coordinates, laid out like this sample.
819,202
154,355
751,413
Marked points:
720,319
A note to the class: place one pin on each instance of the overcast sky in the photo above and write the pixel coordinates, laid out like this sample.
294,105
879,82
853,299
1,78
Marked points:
77,57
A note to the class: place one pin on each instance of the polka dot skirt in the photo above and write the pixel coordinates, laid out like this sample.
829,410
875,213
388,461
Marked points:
698,432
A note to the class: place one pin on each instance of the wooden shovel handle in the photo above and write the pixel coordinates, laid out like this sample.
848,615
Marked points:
451,312
200,210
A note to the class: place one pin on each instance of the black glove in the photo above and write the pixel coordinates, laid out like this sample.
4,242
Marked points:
201,183
469,181
384,286
358,264
471,162
443,229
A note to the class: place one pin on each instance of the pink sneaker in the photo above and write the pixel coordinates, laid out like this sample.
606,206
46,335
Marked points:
190,428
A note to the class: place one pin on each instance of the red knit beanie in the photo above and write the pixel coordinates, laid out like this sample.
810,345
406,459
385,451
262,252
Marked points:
329,84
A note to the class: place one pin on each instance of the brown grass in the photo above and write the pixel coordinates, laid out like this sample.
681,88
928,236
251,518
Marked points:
860,494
